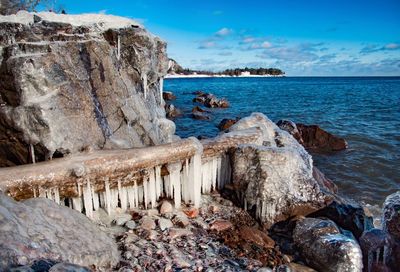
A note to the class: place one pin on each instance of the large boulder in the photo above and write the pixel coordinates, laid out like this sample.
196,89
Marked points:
39,228
324,248
274,177
313,137
72,82
391,225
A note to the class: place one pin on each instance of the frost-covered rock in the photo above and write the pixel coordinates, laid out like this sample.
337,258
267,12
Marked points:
72,82
41,229
274,177
391,215
325,248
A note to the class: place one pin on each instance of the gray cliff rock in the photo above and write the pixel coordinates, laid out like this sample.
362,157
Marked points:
75,82
325,248
274,177
39,228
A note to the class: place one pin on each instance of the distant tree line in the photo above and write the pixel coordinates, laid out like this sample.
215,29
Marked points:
232,72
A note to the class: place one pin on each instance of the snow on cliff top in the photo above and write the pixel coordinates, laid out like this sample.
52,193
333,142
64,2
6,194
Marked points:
100,21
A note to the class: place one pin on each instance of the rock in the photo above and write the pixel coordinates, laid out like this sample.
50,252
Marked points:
42,265
181,220
192,212
121,219
24,268
147,223
274,177
391,215
374,243
131,224
64,88
165,224
348,215
166,207
324,182
211,101
176,233
168,96
325,248
225,124
295,267
256,236
290,127
39,229
200,114
220,225
171,111
67,267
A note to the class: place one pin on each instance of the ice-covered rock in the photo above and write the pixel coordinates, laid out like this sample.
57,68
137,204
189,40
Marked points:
274,177
75,82
325,248
391,225
40,229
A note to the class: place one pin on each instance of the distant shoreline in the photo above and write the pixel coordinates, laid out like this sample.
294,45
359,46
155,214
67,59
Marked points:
208,76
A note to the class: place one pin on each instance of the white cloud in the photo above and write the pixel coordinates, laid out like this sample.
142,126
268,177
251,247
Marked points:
223,32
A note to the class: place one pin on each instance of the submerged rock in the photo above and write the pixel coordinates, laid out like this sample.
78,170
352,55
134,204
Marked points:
41,229
325,248
200,114
211,101
70,82
225,124
169,96
274,180
171,111
313,137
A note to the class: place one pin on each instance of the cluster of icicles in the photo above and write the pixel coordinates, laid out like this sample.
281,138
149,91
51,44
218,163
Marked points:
185,182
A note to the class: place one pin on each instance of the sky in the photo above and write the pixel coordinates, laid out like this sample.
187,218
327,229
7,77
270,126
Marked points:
303,38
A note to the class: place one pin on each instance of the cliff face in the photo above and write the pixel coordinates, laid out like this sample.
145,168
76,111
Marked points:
68,83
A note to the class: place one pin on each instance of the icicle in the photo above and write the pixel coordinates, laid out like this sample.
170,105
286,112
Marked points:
87,199
385,253
95,197
119,48
158,182
102,202
56,195
194,186
42,192
167,186
135,188
141,194
32,149
185,182
130,190
34,192
214,173
122,196
146,191
152,188
161,88
370,259
107,196
174,170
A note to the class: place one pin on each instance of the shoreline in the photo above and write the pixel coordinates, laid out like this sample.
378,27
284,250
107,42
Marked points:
168,76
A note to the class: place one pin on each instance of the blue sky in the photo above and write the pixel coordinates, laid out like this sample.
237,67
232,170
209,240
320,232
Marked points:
324,37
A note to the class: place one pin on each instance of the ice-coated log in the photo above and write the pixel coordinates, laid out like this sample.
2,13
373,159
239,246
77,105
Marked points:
20,181
325,248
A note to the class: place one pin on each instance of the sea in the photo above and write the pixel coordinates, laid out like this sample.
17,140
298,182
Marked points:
363,110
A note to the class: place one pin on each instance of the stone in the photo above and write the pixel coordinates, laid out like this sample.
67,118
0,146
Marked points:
24,268
67,87
313,137
220,225
164,223
324,248
348,215
40,229
391,215
200,114
181,220
295,267
171,111
192,212
166,207
169,96
67,267
374,244
210,100
256,236
225,124
274,176
121,219
131,224
147,223
174,233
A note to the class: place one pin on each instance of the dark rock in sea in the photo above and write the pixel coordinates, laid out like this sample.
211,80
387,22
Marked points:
324,248
200,114
172,111
168,96
313,137
211,101
391,215
66,87
225,124
274,180
348,215
40,229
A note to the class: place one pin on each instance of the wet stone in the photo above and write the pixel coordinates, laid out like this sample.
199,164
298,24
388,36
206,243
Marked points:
147,223
131,224
164,223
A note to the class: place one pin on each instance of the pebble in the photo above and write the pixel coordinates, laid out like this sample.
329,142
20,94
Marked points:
130,224
181,220
147,223
220,225
175,233
62,267
121,219
164,224
166,207
192,213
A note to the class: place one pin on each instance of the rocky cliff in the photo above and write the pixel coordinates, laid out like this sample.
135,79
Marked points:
70,83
